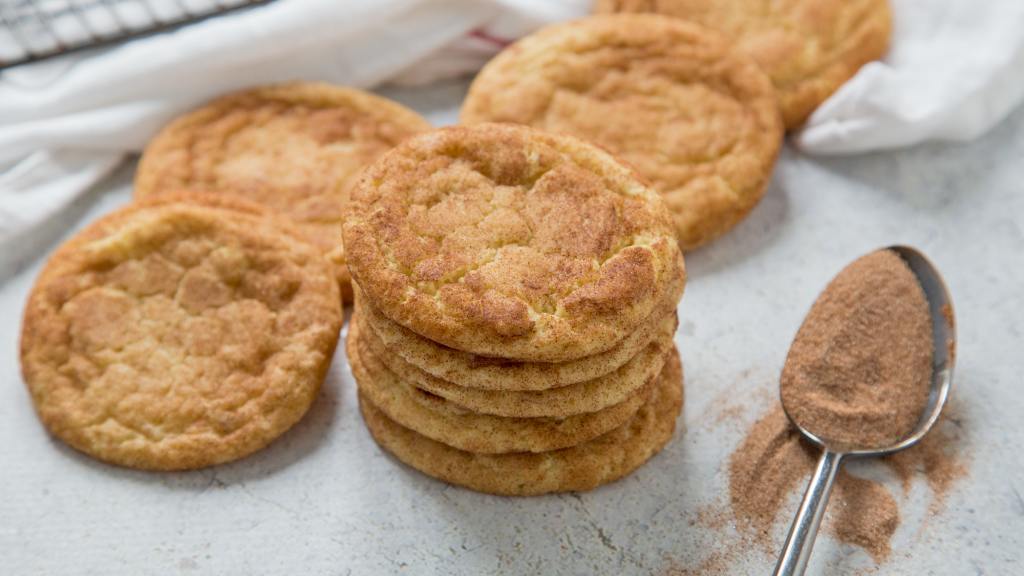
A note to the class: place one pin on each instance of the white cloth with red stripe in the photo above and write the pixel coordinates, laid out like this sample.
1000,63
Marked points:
956,68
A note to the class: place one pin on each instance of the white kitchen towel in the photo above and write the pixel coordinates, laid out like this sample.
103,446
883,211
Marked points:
955,69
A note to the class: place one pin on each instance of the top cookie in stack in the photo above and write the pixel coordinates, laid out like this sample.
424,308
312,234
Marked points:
516,295
511,243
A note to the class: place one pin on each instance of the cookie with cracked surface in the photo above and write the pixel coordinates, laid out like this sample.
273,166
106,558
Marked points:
482,378
295,148
509,242
443,421
175,335
809,48
579,398
691,114
582,467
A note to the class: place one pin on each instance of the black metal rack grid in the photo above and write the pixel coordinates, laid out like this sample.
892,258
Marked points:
32,30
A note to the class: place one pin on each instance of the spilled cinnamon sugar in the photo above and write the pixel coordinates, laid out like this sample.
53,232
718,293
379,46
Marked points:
767,467
935,458
859,371
865,514
774,461
770,468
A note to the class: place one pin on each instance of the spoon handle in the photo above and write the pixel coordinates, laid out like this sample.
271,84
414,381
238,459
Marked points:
796,552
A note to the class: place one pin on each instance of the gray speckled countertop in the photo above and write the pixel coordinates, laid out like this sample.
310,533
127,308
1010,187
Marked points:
325,500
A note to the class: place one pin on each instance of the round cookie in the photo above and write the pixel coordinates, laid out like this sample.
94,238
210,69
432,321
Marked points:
439,419
495,374
179,334
692,115
509,242
809,48
582,467
580,398
295,148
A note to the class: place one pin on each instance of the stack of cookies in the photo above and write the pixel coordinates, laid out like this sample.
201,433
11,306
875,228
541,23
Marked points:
516,299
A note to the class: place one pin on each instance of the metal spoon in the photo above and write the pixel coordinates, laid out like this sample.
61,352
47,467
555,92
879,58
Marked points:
796,552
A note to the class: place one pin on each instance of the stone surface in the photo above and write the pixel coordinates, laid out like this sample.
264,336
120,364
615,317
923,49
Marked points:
324,499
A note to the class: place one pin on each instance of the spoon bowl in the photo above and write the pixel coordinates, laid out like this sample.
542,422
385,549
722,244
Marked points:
940,308
797,550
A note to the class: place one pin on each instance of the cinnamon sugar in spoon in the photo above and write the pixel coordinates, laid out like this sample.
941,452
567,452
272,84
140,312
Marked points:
867,375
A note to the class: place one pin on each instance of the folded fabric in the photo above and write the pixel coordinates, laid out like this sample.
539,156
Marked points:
954,70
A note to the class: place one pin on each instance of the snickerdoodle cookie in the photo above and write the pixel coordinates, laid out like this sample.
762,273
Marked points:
441,420
693,115
509,242
807,47
486,374
582,467
179,334
579,398
295,148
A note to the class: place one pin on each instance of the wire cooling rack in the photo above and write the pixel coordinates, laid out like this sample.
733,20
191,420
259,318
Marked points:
32,30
